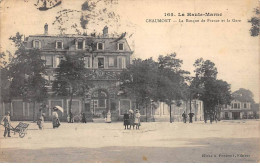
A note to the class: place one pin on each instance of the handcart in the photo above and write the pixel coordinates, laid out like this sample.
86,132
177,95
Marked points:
21,128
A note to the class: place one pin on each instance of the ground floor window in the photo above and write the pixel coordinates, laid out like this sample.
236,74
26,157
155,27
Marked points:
226,115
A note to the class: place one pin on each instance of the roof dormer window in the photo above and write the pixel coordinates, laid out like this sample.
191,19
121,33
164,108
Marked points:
59,45
36,44
80,45
120,46
100,46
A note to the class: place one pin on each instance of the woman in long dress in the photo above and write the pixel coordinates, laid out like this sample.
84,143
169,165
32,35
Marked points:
41,121
137,119
55,119
126,120
108,118
131,119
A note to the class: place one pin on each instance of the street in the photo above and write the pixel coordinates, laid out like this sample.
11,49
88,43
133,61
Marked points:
225,141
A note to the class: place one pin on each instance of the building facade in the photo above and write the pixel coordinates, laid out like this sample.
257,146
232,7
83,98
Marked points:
105,57
237,110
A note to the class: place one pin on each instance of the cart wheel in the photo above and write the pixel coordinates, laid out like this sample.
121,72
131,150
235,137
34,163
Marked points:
21,134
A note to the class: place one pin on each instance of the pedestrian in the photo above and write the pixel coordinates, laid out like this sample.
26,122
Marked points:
126,119
211,117
71,117
108,117
55,118
216,118
40,121
184,115
131,119
137,119
191,115
7,124
84,118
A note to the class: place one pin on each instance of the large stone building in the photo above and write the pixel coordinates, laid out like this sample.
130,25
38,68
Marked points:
106,57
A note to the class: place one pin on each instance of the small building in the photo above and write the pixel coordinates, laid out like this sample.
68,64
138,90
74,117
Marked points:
237,110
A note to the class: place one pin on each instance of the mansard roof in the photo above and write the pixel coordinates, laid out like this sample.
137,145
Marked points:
48,42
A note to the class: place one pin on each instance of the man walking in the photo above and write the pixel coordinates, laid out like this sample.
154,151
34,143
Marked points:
7,124
184,117
191,115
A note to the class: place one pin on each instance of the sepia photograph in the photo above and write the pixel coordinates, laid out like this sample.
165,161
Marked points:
129,81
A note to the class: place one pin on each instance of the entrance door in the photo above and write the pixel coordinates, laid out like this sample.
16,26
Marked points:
226,115
236,115
99,102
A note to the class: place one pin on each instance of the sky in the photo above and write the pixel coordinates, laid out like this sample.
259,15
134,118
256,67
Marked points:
228,44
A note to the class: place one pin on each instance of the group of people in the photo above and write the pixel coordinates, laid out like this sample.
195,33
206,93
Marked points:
184,116
132,118
55,119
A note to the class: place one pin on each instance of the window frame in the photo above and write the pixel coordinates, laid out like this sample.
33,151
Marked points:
112,60
34,44
87,59
103,45
98,62
118,46
123,62
59,41
45,59
80,41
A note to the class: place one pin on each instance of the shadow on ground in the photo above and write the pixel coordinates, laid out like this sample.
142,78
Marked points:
232,150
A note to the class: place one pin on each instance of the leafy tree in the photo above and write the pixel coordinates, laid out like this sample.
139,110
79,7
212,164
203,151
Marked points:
147,80
4,78
26,71
71,78
207,88
139,81
243,95
171,80
255,22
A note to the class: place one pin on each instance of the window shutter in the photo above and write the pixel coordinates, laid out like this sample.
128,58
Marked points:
119,62
95,62
123,63
33,43
115,63
56,46
57,61
106,62
90,62
83,45
40,45
76,44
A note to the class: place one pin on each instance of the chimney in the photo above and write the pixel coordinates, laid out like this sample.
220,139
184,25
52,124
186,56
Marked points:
46,29
105,31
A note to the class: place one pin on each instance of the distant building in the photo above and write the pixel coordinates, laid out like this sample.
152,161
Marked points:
239,110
